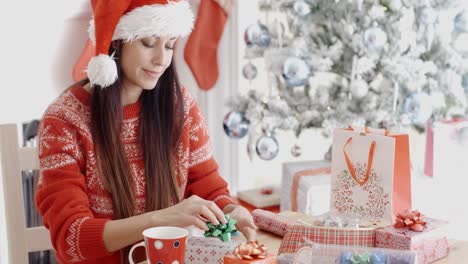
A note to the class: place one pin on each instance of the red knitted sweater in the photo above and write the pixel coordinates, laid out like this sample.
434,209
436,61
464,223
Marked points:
71,198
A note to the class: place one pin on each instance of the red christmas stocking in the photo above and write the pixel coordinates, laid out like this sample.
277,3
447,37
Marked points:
201,51
79,69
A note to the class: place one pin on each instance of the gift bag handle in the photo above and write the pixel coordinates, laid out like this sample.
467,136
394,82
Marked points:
351,169
368,131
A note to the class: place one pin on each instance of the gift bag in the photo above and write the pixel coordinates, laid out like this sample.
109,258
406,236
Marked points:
370,173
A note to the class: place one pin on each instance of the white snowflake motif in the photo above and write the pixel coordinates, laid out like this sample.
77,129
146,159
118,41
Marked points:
92,172
129,130
70,141
139,177
45,137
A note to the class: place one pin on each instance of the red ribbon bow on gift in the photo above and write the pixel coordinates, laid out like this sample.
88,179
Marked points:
413,220
250,250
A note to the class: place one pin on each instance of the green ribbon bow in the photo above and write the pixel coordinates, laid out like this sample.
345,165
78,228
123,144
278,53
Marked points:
222,231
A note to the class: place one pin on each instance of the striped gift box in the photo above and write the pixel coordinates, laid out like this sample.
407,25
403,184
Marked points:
302,235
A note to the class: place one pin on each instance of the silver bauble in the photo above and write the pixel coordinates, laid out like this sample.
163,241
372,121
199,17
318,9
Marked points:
236,125
296,72
375,39
249,71
257,34
267,147
427,16
418,108
359,88
301,8
296,151
461,22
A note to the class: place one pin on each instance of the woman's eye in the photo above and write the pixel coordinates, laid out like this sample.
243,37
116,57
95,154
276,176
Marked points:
146,44
170,47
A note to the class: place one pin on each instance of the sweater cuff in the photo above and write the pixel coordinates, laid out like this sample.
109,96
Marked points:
92,238
223,200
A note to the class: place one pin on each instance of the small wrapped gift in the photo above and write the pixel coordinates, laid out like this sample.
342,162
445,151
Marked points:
250,252
306,187
208,250
271,222
425,236
261,197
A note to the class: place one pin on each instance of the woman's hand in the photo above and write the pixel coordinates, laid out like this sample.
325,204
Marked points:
191,211
245,223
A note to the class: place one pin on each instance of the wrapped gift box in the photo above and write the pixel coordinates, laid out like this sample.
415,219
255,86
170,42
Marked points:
312,187
305,235
431,244
271,222
208,250
231,259
260,198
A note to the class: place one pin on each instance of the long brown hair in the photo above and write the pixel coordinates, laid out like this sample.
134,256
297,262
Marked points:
161,122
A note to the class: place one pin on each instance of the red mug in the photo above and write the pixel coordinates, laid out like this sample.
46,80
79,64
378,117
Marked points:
164,244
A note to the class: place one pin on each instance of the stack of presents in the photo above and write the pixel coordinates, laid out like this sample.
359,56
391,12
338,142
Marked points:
354,209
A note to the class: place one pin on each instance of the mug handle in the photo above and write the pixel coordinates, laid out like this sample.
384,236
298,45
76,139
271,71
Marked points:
130,255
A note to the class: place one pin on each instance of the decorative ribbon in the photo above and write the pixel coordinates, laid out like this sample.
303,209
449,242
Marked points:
413,220
250,250
351,169
222,231
297,177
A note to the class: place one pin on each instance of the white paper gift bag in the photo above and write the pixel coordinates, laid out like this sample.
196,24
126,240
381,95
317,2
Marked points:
370,173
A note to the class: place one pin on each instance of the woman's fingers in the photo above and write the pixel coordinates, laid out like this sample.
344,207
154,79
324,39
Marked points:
196,221
218,212
249,233
208,214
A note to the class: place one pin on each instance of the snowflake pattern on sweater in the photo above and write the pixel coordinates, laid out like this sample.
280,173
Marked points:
71,196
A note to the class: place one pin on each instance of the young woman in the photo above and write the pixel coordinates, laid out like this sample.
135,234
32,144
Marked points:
127,148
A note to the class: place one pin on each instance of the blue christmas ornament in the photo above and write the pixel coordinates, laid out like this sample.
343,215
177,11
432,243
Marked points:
461,22
378,257
296,72
418,107
236,125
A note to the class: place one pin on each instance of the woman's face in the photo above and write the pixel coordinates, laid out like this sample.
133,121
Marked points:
144,60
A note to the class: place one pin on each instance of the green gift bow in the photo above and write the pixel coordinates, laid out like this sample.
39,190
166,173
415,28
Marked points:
222,231
360,258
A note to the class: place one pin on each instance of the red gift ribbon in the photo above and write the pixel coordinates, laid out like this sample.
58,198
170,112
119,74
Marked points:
411,219
250,250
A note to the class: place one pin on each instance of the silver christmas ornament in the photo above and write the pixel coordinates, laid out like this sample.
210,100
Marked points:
236,125
267,147
418,108
359,88
427,16
295,71
395,5
296,151
375,39
257,34
301,8
249,71
461,22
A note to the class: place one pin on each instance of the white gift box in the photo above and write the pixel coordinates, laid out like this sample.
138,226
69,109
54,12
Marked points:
313,191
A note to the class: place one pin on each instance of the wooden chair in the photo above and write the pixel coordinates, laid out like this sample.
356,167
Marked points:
15,159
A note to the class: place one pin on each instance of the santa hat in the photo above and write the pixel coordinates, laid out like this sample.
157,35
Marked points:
129,20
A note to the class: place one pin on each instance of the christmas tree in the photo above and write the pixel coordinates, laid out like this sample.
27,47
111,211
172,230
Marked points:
391,64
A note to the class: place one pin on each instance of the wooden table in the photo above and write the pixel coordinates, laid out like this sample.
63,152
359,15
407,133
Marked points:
458,249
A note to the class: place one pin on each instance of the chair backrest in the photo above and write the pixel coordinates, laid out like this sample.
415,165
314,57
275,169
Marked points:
15,159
